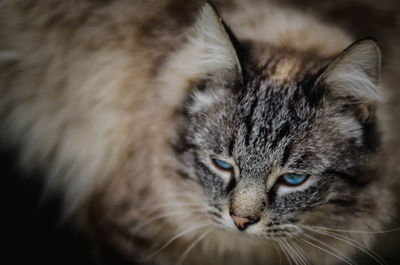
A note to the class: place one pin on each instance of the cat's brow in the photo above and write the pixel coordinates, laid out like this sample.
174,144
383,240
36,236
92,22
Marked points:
286,154
249,120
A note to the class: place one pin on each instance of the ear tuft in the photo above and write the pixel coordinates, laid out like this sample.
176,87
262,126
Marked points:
354,74
211,37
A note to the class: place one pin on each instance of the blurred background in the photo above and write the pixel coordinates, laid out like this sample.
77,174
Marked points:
30,231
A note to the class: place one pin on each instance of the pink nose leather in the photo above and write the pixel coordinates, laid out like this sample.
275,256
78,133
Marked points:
241,222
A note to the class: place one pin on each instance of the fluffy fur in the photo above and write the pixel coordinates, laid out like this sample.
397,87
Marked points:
122,103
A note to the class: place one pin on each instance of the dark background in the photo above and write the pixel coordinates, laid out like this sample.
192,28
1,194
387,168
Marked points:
30,230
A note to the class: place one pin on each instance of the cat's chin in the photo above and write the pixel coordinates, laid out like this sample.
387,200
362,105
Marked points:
241,244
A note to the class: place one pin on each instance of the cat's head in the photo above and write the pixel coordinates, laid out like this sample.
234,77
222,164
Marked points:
282,144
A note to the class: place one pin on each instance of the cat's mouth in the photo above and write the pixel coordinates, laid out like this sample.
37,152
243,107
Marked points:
261,230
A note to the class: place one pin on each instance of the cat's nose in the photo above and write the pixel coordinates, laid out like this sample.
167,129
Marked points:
243,222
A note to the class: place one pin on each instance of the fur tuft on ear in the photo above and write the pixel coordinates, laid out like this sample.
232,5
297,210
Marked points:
217,52
354,74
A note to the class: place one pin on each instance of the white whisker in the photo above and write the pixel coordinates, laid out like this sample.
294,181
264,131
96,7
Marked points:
278,250
290,251
325,250
295,255
174,238
301,252
285,251
191,246
352,231
297,252
331,248
355,244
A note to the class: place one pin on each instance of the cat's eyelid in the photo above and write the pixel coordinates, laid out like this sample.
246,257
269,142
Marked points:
225,173
292,179
222,164
275,178
223,159
283,188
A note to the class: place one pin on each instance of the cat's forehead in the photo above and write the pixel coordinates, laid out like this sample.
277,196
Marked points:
277,83
273,117
273,97
267,124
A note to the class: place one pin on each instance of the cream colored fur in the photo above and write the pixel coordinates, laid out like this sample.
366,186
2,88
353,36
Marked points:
286,27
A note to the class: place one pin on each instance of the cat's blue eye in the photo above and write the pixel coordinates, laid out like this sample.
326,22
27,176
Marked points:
293,179
222,164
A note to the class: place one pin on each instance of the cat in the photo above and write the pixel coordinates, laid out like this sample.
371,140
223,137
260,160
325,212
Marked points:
181,135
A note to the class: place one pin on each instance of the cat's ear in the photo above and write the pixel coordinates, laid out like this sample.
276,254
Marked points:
209,54
215,50
354,74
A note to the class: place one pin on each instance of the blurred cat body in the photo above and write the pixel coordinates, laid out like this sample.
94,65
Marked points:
113,98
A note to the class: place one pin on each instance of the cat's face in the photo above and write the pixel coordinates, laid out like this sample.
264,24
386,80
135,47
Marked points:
276,154
269,156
